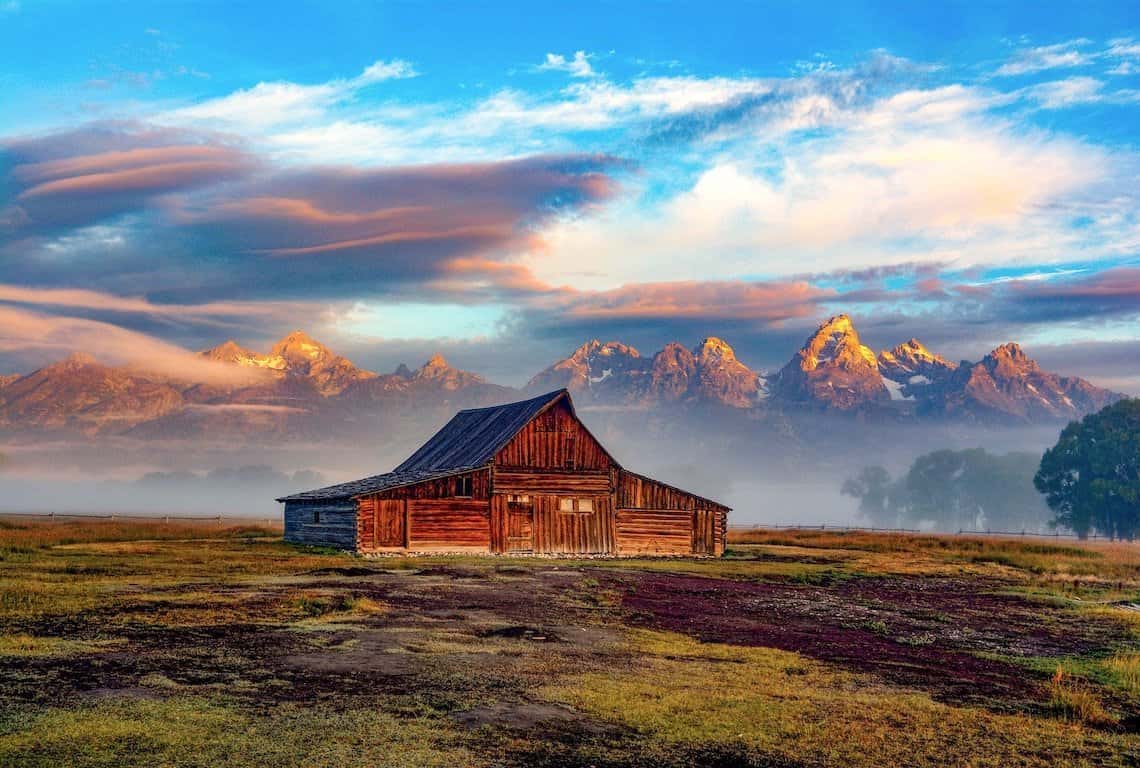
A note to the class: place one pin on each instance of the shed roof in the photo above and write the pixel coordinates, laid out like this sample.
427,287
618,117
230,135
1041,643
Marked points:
372,484
468,441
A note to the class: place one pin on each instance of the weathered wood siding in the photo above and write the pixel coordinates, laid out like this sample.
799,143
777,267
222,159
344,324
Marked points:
449,524
443,488
655,531
583,483
337,526
635,491
591,533
653,517
381,524
554,439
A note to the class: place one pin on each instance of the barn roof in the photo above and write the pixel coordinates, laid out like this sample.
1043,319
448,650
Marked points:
474,436
469,440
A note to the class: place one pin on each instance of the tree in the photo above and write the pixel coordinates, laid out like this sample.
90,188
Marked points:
954,490
873,488
1091,477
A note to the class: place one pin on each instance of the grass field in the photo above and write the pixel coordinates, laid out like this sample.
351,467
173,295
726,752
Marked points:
200,645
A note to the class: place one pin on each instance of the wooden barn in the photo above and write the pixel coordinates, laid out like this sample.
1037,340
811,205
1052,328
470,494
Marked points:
521,478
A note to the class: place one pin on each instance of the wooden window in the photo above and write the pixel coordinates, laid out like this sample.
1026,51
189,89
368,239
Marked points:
518,498
584,506
566,505
316,516
463,486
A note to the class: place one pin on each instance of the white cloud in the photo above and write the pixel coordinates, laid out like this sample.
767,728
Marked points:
23,331
906,181
577,65
1060,94
379,71
1060,55
1123,47
272,104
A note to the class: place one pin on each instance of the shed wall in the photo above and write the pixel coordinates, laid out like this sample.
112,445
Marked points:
337,526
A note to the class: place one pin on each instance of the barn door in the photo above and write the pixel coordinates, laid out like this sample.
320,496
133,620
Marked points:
390,523
520,523
704,539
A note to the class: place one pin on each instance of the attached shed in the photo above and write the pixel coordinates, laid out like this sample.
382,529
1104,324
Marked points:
520,478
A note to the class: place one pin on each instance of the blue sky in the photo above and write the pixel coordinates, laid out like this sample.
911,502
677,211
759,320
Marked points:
504,181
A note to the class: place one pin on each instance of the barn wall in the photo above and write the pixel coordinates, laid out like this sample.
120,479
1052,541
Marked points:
449,524
554,439
382,524
557,532
637,492
337,527
653,517
654,532
582,483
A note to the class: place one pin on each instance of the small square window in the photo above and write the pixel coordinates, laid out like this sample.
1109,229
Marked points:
585,505
463,485
566,505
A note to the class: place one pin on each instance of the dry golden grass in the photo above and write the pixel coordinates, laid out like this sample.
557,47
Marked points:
22,535
1097,565
780,707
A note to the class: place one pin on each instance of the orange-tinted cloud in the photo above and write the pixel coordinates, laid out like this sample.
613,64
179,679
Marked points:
771,302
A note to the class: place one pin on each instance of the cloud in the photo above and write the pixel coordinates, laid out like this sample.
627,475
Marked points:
577,65
23,331
1037,59
268,104
191,222
91,174
1112,292
212,314
1061,94
761,302
960,190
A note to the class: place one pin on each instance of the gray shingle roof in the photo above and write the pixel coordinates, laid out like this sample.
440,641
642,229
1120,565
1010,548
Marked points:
469,440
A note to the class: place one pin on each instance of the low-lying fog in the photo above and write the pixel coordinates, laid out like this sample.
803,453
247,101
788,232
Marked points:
767,476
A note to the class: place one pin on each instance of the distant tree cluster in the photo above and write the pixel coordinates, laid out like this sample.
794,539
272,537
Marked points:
954,490
1091,477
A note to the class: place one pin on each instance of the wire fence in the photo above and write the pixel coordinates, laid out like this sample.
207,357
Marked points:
870,529
69,516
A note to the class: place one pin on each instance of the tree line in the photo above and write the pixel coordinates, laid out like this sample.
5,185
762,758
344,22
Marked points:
1089,481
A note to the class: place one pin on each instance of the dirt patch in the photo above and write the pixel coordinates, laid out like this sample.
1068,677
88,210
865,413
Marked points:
526,716
929,634
351,572
532,634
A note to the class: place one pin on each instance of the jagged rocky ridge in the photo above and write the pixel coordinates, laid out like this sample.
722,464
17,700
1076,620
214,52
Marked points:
617,374
300,387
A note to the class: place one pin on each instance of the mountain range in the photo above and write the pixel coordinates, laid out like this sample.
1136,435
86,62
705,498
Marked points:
300,387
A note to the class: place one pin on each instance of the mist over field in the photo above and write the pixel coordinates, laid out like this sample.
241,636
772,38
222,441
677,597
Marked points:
766,476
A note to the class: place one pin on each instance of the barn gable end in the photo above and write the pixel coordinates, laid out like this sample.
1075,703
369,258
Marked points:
522,478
